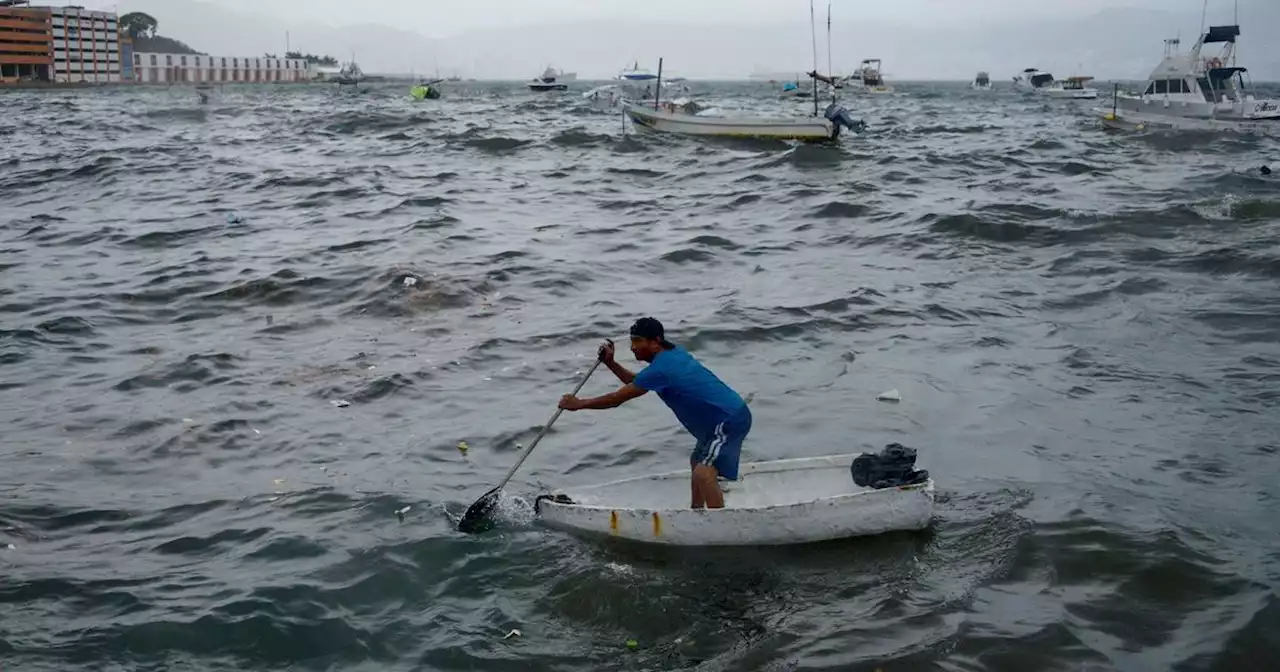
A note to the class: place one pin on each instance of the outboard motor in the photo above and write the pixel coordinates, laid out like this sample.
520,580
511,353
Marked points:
892,467
839,116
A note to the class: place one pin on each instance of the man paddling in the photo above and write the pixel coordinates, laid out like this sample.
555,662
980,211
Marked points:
717,416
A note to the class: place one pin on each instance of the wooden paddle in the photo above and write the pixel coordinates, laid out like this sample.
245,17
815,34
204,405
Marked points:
478,516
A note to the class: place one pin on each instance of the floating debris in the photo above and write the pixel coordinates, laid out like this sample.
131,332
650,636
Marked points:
278,481
340,403
633,644
749,398
891,395
11,547
400,512
410,281
462,448
513,633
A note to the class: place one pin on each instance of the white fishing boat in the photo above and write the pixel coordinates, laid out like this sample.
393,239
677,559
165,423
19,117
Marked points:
982,82
605,98
349,74
1032,79
635,73
667,119
1072,88
793,501
868,78
1197,92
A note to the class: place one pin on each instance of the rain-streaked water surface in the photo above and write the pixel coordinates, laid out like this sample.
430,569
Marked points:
217,387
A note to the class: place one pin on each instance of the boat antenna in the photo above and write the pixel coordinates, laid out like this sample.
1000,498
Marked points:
1204,13
1235,46
813,29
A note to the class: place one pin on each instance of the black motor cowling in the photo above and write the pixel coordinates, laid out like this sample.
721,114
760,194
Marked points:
893,466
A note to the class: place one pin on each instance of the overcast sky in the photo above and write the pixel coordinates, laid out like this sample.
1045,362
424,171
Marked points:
442,18
712,39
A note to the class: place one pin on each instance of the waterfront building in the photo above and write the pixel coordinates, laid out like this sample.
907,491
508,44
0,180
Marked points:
154,68
26,43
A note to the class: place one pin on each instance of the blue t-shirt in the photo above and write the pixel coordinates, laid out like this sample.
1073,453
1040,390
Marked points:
699,399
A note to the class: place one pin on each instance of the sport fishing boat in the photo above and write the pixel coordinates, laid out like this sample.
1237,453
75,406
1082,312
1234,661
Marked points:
1197,91
781,502
1073,88
1031,79
869,79
982,82
549,81
635,74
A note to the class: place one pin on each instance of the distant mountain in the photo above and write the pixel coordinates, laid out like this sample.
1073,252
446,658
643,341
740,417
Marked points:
1117,43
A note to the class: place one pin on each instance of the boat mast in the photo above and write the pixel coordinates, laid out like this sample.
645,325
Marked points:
830,70
813,30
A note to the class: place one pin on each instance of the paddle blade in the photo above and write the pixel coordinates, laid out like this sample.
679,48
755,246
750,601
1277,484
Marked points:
479,517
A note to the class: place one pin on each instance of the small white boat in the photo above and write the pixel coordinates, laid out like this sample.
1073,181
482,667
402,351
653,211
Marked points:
808,129
1071,88
982,82
868,78
1196,92
1032,79
795,501
607,97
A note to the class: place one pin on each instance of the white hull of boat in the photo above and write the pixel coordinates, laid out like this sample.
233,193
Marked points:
796,501
981,87
1071,94
1130,121
808,129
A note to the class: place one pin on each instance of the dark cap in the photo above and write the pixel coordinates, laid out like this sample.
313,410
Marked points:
647,327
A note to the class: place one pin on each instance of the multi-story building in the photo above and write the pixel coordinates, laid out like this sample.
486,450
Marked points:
151,68
26,43
86,46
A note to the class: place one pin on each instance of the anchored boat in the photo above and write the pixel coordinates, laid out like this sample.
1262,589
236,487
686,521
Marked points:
551,80
808,129
982,82
793,501
1032,79
869,79
1198,92
1072,88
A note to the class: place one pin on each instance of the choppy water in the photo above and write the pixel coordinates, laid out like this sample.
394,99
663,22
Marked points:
1085,328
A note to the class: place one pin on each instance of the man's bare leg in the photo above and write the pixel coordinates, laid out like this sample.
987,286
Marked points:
699,500
706,490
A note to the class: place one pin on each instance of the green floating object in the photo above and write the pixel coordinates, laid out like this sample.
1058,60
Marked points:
633,644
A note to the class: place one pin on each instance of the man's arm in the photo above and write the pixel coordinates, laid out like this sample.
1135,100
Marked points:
623,373
612,400
606,356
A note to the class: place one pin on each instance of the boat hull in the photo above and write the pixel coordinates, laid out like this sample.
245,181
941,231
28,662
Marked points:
1071,94
762,508
1125,120
806,129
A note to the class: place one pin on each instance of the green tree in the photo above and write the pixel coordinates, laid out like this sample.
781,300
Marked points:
139,24
312,58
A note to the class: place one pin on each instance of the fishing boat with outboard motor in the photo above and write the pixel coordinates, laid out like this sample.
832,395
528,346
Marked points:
780,502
